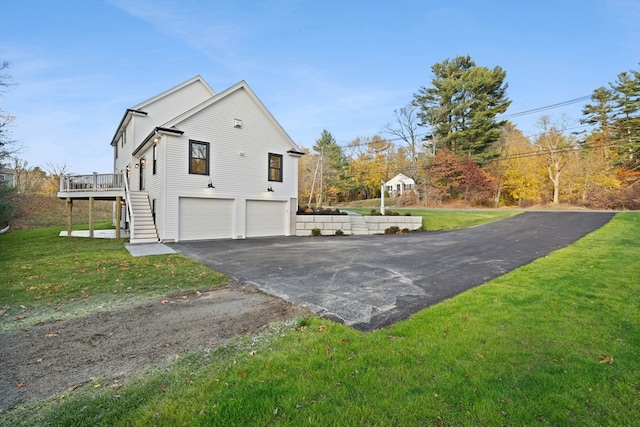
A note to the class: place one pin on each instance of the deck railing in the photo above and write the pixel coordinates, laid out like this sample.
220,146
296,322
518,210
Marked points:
94,182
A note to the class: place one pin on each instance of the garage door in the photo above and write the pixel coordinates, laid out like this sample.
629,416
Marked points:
205,218
266,218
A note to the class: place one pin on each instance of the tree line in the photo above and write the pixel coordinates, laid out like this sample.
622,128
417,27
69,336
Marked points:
450,138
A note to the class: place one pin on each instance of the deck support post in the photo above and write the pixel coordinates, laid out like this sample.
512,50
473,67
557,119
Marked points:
69,216
118,215
90,216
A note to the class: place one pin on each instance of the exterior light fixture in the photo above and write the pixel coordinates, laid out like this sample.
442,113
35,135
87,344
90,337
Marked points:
237,123
210,185
270,188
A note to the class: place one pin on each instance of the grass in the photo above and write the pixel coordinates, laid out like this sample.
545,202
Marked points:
448,219
556,342
48,277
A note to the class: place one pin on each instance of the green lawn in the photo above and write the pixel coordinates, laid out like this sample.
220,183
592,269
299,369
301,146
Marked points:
447,219
49,277
556,342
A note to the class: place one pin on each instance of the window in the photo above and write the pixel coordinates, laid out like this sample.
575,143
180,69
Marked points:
275,167
198,157
155,158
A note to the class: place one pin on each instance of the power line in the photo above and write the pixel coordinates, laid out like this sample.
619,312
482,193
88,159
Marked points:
546,107
506,116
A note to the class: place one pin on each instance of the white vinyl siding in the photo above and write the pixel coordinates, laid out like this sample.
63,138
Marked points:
266,218
238,169
202,219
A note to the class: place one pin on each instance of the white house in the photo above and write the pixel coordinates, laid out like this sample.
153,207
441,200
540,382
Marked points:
399,184
8,177
190,164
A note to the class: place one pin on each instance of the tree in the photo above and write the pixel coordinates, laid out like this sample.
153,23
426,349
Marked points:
600,114
7,144
518,173
556,151
7,148
368,165
333,164
54,172
405,127
29,180
627,118
453,177
462,105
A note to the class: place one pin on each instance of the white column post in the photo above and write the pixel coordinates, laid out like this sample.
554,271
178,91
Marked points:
382,199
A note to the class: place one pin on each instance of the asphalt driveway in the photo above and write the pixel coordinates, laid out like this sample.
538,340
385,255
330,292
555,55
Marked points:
369,282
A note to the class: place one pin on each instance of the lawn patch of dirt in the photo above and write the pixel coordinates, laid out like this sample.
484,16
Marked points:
52,357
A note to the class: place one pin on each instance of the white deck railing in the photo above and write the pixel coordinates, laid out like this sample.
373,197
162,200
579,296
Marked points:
129,214
94,182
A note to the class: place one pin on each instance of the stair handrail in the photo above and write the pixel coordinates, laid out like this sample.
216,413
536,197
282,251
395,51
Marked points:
127,199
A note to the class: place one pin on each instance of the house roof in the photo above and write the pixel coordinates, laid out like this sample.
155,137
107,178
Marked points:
242,85
400,178
196,79
139,108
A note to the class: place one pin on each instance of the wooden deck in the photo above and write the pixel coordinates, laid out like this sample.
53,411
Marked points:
106,186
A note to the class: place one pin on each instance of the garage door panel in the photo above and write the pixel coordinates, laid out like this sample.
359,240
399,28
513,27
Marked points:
202,219
266,218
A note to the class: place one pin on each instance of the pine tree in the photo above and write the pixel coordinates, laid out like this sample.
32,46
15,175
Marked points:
462,105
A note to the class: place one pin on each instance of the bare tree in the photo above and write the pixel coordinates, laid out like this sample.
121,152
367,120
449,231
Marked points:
54,172
556,149
405,127
8,145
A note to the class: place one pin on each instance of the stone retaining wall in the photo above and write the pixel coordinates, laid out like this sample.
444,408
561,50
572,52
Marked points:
328,224
377,224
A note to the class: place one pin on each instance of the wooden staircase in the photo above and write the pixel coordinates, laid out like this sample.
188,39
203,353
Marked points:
142,227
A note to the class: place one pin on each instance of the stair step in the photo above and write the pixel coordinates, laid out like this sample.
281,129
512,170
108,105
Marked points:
133,240
144,228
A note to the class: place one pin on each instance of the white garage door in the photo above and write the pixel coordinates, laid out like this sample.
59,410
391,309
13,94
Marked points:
266,218
205,218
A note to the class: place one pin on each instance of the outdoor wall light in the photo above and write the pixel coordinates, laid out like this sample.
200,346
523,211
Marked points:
237,123
270,188
210,185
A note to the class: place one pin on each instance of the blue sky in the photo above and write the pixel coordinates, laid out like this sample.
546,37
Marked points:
344,66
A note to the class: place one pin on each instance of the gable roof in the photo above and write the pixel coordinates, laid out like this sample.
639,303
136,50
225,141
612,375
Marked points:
194,80
139,108
400,178
241,85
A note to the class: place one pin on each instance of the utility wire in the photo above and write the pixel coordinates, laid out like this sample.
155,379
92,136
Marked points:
546,107
506,116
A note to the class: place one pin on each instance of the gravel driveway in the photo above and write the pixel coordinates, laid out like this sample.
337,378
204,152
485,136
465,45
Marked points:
369,282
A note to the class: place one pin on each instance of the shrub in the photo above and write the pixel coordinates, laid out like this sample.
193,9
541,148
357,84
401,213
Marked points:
406,231
339,233
316,232
394,229
319,211
408,198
